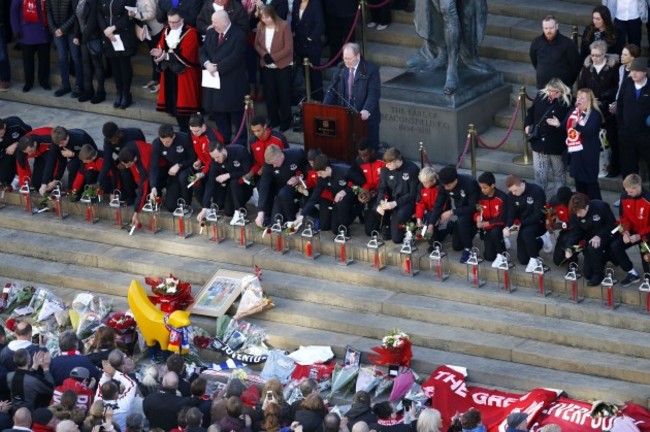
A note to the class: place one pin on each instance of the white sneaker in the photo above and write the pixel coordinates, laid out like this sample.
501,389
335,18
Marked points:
372,24
532,263
235,217
507,243
548,242
381,27
498,261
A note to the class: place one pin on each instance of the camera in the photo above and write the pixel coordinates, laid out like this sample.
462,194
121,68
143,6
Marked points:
407,403
269,395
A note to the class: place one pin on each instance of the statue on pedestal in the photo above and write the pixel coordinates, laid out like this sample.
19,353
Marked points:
452,31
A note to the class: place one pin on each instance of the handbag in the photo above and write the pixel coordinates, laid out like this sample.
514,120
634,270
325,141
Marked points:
533,132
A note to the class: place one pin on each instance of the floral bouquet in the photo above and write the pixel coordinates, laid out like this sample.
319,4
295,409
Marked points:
19,296
170,293
395,349
343,377
253,299
124,326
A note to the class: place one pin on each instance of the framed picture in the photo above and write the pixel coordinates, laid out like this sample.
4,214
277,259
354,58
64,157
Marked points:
352,357
219,293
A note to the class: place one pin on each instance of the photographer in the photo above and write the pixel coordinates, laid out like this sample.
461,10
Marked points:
108,391
547,141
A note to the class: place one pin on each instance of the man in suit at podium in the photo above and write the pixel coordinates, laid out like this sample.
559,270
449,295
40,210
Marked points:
356,85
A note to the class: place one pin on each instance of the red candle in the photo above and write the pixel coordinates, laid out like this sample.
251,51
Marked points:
610,302
278,243
439,270
506,281
647,302
308,250
342,252
215,233
375,260
475,275
57,207
407,265
28,203
150,226
181,227
89,215
574,291
118,217
540,281
242,236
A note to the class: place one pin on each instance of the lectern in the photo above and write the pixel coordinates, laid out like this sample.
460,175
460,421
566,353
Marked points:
334,130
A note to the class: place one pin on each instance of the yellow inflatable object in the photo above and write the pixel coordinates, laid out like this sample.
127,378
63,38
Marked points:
151,322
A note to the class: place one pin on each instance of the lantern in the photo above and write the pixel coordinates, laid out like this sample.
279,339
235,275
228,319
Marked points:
342,255
56,198
91,202
644,290
503,264
26,197
216,226
310,239
537,276
609,292
571,284
182,219
409,257
279,241
439,263
118,209
152,211
474,269
242,229
3,203
376,251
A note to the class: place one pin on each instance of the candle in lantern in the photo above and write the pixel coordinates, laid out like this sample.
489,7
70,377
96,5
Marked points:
28,204
475,275
407,265
57,207
181,227
242,236
610,301
308,250
439,270
342,252
278,243
89,214
540,281
506,281
118,217
375,261
215,233
574,291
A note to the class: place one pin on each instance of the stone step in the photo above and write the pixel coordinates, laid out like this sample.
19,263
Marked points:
472,342
356,297
481,371
359,274
567,12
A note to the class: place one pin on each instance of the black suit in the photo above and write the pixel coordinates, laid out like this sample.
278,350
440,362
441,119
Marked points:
227,103
162,408
631,114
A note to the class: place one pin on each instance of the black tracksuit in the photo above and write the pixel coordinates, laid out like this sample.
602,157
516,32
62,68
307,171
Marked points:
232,194
528,208
181,151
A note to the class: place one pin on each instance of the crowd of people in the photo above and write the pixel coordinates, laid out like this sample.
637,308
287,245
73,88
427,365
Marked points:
103,390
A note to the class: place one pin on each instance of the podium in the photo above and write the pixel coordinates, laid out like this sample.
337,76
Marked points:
335,130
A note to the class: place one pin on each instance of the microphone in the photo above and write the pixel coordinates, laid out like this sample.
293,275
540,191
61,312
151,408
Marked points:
345,101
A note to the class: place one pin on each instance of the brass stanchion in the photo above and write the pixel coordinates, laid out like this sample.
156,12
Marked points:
364,22
248,104
526,158
471,135
307,65
421,155
574,34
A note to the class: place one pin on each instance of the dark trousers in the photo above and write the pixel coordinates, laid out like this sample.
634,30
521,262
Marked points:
629,31
612,138
315,76
373,132
493,242
285,203
90,178
337,32
176,187
231,196
43,52
151,44
72,165
93,67
592,190
395,219
125,183
529,243
334,214
5,68
463,233
66,50
380,15
7,168
595,259
37,172
252,64
277,93
560,245
122,73
618,250
631,148
225,121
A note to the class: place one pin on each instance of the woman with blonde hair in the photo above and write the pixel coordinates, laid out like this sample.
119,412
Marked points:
429,420
583,142
546,140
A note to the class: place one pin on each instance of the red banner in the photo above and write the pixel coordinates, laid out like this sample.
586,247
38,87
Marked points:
450,395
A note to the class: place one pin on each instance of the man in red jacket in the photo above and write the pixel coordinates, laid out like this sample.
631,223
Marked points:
80,382
34,145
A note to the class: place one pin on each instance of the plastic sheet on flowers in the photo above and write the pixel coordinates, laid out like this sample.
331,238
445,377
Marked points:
86,302
241,341
306,355
343,377
44,304
253,299
368,379
401,385
278,365
384,384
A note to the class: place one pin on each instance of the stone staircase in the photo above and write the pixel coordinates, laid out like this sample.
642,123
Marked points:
515,341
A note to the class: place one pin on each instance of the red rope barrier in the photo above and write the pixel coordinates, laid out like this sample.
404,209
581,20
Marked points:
241,126
528,97
426,158
347,39
375,6
461,158
508,132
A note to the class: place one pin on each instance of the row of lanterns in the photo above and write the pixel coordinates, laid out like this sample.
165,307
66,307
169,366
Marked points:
242,231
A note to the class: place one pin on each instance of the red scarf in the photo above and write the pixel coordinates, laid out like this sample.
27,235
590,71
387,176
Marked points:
30,11
573,138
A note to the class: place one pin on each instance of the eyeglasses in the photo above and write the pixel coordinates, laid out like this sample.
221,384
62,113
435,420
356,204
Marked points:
597,55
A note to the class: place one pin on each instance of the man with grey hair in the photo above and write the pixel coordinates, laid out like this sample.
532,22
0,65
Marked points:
67,426
224,54
69,358
22,421
162,407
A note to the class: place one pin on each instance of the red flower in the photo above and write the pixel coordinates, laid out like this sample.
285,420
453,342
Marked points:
582,244
11,324
202,341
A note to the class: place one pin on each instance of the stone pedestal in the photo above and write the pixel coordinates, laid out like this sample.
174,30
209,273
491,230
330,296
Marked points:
415,109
